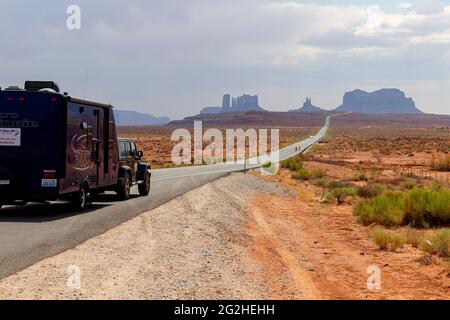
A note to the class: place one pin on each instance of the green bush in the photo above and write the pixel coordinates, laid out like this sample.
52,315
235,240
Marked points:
360,177
335,184
340,194
267,165
370,190
437,244
302,174
420,207
386,209
293,164
439,205
386,240
417,202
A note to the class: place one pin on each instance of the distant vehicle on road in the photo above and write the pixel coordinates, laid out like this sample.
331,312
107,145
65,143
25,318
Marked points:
53,146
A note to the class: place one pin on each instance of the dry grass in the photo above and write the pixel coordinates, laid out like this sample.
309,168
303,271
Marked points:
387,240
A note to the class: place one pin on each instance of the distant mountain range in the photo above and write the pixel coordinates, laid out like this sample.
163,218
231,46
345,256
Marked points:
133,118
380,102
384,101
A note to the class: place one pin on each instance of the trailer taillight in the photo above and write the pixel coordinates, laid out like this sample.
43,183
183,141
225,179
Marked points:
48,174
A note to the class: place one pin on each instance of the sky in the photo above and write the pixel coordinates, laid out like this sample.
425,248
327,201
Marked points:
174,57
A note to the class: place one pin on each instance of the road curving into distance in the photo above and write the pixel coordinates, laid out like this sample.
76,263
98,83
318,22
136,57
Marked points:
253,163
37,231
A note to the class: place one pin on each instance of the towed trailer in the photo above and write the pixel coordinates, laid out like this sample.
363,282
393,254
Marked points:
54,146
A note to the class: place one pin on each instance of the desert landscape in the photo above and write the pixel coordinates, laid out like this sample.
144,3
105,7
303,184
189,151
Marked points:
387,175
368,197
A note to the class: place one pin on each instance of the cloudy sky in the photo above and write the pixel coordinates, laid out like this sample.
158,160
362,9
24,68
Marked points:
173,57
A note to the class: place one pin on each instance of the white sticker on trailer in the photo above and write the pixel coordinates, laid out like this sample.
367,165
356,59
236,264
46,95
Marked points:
49,183
10,137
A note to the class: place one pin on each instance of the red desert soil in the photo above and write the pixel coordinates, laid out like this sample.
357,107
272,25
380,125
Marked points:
319,249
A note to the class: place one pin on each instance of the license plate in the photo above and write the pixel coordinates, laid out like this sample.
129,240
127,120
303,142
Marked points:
4,182
49,183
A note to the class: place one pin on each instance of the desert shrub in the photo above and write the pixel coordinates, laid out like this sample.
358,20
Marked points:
328,197
436,185
267,165
302,174
360,177
340,194
413,237
370,190
386,240
322,183
420,207
293,164
408,185
334,184
386,209
438,243
439,205
442,164
318,174
417,202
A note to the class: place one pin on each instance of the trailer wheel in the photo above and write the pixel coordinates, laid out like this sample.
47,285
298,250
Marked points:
144,188
79,199
124,190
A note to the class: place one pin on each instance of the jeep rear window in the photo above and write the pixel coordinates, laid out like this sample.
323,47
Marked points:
133,149
122,151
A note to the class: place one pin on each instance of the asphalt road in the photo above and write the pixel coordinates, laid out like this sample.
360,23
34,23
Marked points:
36,231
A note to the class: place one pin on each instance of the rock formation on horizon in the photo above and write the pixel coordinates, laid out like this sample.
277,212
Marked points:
239,104
308,107
133,118
384,101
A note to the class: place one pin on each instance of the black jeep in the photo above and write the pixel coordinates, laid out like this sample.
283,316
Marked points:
132,170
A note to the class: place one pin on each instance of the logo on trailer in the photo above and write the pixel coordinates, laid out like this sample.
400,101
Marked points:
82,154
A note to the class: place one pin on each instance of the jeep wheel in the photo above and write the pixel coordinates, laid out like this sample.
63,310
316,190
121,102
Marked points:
79,199
144,188
125,188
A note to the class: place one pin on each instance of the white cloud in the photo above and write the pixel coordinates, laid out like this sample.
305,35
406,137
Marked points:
405,5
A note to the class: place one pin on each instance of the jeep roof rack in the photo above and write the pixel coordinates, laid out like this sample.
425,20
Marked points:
39,85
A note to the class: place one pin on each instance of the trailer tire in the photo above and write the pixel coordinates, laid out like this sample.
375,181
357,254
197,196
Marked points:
125,189
79,199
144,188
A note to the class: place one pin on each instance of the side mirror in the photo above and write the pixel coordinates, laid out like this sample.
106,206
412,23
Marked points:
140,154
